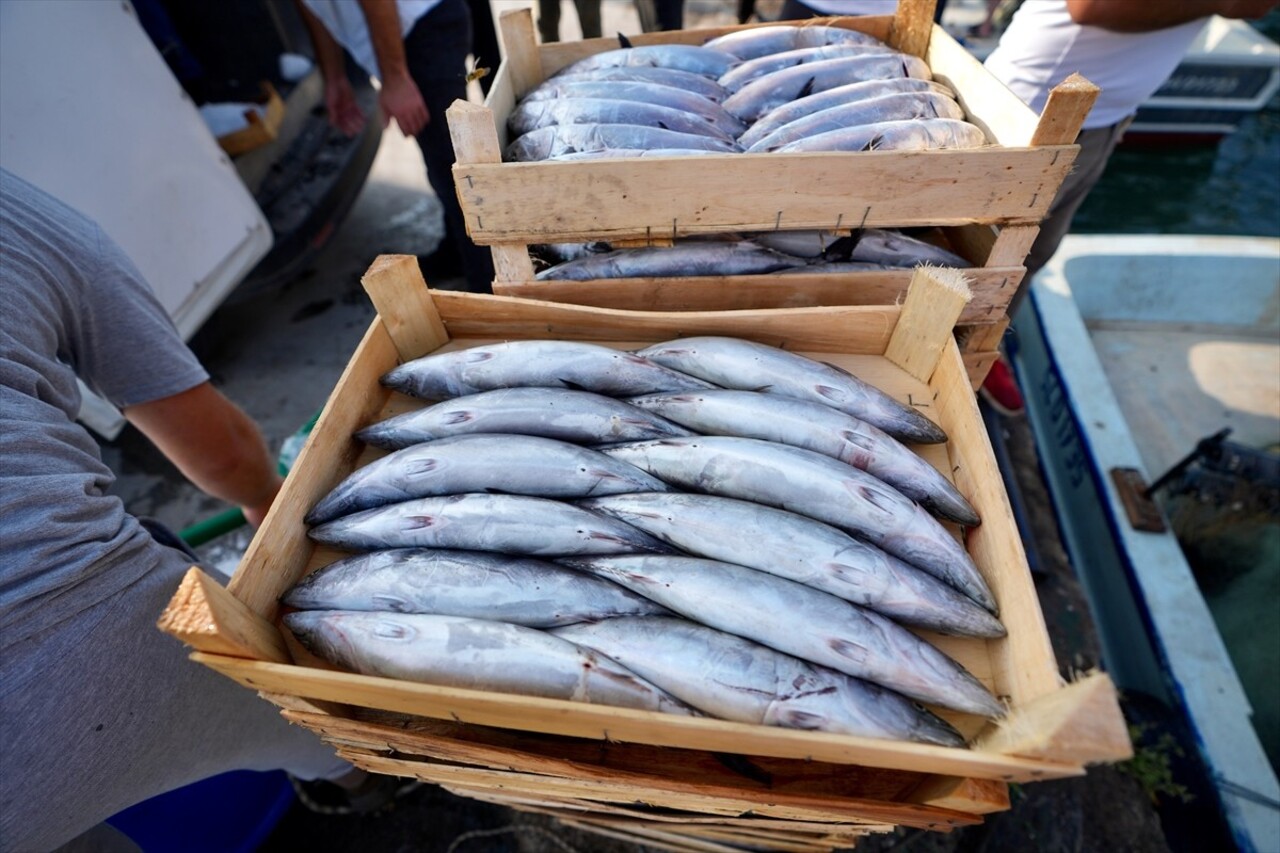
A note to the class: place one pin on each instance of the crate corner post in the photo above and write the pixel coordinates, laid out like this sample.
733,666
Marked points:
399,292
935,298
205,616
1080,723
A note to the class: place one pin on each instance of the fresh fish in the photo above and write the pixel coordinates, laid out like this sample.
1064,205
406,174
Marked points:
548,364
733,678
754,69
474,584
840,95
508,524
682,57
878,245
744,602
801,244
558,140
814,485
672,77
649,93
748,366
532,115
461,464
799,549
901,107
630,153
558,253
695,258
773,90
822,429
915,135
475,654
760,41
577,416
837,268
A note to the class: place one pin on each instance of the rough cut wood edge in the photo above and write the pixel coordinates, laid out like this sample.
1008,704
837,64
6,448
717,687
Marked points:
1064,112
935,299
973,796
604,723
206,617
396,288
913,26
1082,720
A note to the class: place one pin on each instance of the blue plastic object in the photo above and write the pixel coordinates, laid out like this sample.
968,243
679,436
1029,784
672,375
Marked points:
230,813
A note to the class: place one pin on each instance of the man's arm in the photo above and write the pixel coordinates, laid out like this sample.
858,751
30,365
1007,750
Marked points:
214,444
399,95
340,99
1138,16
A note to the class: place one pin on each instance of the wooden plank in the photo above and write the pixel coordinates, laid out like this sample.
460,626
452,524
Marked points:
205,616
1012,245
992,288
598,722
974,242
1082,720
987,102
913,26
934,301
636,198
972,796
977,365
1064,112
396,288
520,50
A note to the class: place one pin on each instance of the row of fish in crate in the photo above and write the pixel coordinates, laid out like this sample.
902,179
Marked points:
778,88
708,526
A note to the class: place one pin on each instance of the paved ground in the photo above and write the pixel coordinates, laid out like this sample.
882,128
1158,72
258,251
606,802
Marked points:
279,355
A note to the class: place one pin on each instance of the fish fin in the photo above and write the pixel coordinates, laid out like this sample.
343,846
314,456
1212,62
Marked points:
848,649
806,89
572,386
663,125
421,467
624,41
417,522
460,417
792,718
841,249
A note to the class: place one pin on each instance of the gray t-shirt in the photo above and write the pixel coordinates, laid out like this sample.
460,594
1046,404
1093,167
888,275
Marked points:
71,304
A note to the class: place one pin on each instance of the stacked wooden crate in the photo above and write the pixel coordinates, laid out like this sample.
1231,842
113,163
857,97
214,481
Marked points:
986,203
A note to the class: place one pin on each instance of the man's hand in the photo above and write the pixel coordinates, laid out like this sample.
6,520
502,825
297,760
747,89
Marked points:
344,111
401,100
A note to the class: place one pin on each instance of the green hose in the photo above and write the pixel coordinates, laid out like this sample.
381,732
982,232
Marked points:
230,519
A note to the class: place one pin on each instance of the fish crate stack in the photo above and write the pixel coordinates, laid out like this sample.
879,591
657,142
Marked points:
983,204
664,780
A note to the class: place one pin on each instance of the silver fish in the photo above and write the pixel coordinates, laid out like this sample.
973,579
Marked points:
773,90
508,524
819,428
558,253
682,57
801,244
837,268
460,464
577,416
760,41
474,584
474,654
544,363
846,94
878,245
695,258
631,153
555,141
748,366
816,486
733,678
929,134
531,115
754,69
645,92
673,77
901,107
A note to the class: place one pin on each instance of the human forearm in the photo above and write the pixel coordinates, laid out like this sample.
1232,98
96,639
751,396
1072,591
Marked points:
383,19
1146,15
214,444
328,52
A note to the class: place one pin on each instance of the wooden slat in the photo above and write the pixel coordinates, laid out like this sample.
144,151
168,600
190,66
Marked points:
396,288
987,102
205,616
972,796
610,199
1012,244
1082,720
934,301
1064,112
520,50
913,26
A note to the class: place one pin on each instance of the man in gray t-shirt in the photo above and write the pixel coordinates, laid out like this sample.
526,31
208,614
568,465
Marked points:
98,709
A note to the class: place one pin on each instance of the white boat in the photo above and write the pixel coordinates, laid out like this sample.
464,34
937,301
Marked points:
1130,350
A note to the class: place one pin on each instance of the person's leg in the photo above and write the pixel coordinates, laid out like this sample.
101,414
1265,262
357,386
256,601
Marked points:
484,41
104,711
794,10
589,17
549,20
670,14
436,51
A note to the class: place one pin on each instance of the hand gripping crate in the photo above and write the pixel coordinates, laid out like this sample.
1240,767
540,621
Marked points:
987,202
690,781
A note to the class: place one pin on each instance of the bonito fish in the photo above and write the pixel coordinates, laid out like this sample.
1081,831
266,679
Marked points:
475,654
531,115
840,95
631,90
901,107
555,141
736,679
915,135
474,584
877,245
800,549
753,69
773,90
748,366
695,258
506,464
673,77
548,364
819,428
816,486
760,41
509,524
577,416
682,57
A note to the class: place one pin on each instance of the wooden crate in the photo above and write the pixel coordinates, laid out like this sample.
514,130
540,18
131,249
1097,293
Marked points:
698,779
988,202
